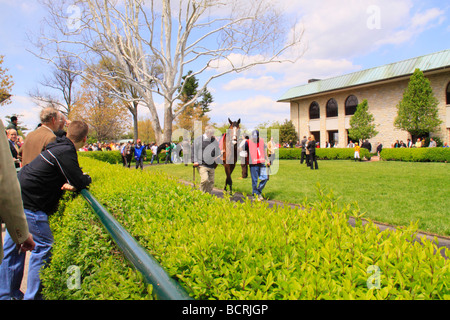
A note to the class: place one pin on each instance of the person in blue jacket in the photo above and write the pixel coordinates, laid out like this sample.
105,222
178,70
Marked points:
140,154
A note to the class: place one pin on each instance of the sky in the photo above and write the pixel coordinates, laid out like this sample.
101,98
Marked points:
340,37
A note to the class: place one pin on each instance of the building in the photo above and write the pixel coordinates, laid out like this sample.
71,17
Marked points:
324,107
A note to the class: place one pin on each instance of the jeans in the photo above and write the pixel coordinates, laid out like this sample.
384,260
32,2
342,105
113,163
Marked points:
155,156
12,267
258,172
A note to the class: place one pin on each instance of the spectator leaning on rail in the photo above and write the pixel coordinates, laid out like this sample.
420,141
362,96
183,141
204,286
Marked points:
11,212
52,121
42,182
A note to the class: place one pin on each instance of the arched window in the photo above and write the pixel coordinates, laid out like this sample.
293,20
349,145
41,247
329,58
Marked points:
314,111
448,93
332,108
350,105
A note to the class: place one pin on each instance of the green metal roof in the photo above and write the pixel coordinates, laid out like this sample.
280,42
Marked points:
428,62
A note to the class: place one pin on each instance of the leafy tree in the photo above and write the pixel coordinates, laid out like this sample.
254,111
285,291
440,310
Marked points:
362,124
286,130
196,111
105,114
417,112
6,84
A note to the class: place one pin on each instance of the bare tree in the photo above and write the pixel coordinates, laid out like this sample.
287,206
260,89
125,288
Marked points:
63,93
211,37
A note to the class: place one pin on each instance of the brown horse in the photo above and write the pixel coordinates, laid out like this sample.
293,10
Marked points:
229,149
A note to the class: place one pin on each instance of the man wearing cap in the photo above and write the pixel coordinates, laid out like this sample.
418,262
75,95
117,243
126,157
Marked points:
140,154
259,163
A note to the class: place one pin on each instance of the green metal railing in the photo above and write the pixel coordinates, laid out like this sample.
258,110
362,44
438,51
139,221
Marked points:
165,288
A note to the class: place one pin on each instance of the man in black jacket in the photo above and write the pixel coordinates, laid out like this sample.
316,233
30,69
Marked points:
205,157
43,182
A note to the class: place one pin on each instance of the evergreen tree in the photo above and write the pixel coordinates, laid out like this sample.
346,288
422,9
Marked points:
417,111
196,111
287,132
362,124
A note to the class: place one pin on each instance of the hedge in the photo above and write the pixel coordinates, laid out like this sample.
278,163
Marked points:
80,240
114,157
324,153
218,249
416,154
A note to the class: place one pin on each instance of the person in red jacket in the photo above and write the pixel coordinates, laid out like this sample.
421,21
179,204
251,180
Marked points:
259,163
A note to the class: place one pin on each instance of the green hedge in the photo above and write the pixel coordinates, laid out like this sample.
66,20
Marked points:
325,153
218,249
416,154
114,157
81,241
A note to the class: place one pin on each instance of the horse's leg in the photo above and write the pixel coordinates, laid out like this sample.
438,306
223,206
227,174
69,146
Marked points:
227,170
230,181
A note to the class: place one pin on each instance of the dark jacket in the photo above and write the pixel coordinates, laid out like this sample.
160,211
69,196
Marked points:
41,180
206,152
311,146
14,153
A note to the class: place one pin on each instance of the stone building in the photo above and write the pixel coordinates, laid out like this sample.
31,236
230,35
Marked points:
324,107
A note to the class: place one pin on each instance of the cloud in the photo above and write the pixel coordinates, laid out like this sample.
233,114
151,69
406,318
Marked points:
420,22
252,111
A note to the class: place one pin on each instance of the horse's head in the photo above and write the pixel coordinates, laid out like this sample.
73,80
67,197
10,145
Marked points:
234,127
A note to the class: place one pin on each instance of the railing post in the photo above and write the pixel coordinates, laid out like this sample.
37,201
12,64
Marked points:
164,286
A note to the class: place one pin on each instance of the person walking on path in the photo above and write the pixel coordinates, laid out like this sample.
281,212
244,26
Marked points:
42,183
244,157
259,164
154,149
140,154
206,153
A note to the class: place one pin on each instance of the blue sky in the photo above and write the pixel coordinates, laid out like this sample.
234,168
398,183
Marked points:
341,37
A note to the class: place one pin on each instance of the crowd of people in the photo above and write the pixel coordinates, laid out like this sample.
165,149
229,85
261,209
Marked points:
420,143
49,166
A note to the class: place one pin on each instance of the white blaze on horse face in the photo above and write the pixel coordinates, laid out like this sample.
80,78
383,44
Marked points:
235,130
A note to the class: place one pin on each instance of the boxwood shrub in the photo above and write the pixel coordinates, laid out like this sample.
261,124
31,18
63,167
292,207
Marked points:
114,157
81,241
324,153
218,249
416,154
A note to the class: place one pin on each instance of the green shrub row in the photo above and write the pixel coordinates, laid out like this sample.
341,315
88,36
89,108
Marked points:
102,270
218,249
325,153
114,157
416,154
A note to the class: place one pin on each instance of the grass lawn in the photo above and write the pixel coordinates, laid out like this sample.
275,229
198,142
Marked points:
390,192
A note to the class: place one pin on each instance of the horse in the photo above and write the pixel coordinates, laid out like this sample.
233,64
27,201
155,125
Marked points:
229,149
